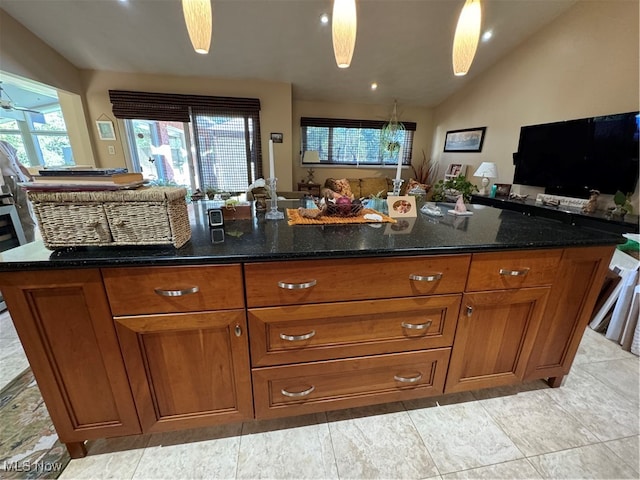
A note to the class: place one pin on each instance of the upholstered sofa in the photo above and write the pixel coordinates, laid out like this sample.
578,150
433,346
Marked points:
365,187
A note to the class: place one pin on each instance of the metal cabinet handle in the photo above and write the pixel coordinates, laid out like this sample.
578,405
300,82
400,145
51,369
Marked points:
469,310
303,393
514,273
297,286
177,293
238,331
417,326
415,379
425,278
297,338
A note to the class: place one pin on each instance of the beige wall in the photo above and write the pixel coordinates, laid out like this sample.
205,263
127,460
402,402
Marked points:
421,140
275,113
583,64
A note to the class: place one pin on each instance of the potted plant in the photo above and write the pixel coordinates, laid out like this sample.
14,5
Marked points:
448,190
623,204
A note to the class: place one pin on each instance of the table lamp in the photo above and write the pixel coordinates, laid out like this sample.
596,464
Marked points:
486,170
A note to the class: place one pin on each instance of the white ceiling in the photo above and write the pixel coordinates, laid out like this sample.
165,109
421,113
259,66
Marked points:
403,45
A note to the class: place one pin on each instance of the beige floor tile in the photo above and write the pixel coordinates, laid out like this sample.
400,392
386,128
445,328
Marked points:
516,469
206,453
628,449
606,413
621,375
378,442
595,347
590,462
115,458
462,436
536,424
298,447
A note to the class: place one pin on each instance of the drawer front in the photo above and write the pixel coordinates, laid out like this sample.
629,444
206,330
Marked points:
314,281
335,384
281,335
142,290
496,271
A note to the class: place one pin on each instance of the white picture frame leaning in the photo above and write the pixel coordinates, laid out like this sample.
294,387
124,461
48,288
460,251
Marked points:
402,206
105,130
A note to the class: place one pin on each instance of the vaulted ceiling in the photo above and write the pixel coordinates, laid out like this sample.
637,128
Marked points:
402,45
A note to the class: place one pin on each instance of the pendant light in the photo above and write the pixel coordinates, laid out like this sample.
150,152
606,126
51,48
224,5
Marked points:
465,41
344,24
198,16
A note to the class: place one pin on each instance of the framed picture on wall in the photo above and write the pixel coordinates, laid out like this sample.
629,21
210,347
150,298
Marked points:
105,130
467,140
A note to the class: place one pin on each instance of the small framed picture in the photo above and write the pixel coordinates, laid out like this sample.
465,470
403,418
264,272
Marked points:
277,137
503,189
105,130
454,170
402,206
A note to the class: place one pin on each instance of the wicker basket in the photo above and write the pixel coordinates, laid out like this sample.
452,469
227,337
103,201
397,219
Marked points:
343,211
145,216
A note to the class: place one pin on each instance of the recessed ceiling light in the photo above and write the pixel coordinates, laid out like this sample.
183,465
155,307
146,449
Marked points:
374,86
486,36
324,18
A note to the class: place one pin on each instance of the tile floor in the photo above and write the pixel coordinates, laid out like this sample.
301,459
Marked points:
588,428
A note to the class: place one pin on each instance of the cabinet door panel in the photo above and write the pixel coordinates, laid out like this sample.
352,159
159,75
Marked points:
189,370
495,337
575,291
67,332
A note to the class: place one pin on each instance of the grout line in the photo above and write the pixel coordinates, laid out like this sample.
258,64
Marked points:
435,464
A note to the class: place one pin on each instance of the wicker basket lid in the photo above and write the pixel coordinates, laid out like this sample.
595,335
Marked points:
142,194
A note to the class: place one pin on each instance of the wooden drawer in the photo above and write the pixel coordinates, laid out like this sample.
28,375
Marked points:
497,271
320,386
314,281
292,334
142,290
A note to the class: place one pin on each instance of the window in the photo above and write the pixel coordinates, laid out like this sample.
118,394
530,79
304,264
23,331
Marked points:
354,142
226,153
40,138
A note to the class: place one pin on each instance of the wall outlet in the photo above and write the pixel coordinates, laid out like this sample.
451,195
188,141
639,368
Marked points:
112,150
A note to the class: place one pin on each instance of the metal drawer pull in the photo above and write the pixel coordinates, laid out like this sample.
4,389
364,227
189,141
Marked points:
417,326
303,393
514,273
297,338
176,293
415,379
425,278
469,310
297,286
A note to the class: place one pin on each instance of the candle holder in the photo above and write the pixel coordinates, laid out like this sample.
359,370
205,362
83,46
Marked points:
397,183
273,213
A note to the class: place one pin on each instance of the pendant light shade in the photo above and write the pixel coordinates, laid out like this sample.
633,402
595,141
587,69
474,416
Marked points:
344,24
198,15
465,41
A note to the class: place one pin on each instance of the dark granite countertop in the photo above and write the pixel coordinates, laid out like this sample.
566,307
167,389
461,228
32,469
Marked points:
488,229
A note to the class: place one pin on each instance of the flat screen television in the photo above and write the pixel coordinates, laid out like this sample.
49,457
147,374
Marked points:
575,156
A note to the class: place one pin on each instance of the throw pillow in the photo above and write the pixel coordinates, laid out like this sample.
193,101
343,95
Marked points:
415,186
342,187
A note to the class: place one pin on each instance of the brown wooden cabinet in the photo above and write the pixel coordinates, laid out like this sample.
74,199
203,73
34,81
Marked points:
64,323
188,370
495,336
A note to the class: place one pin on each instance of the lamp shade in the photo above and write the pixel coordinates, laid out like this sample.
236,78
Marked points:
344,25
486,170
465,41
198,16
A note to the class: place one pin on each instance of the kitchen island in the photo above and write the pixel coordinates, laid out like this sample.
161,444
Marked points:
270,320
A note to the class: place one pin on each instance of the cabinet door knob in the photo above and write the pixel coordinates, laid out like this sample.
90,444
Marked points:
413,379
417,326
297,286
514,273
297,338
469,310
303,393
425,278
238,330
176,293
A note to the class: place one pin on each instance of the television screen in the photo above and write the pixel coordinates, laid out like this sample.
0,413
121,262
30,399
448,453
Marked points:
570,158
